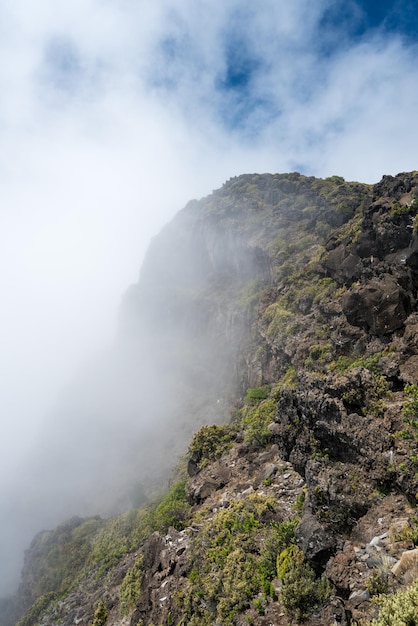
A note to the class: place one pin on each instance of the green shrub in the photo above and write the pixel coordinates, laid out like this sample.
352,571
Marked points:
409,532
210,442
399,609
399,209
287,558
350,231
256,420
320,352
376,395
100,615
335,179
255,394
410,405
171,510
239,583
412,532
370,398
259,606
404,209
377,583
279,537
301,592
299,502
288,380
130,587
120,535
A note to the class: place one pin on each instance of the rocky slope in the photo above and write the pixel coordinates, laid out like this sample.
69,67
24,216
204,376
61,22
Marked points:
293,300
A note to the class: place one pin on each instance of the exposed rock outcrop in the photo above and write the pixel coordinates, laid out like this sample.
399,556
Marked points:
304,291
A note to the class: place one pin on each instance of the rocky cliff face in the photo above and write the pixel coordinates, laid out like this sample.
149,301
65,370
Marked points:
293,298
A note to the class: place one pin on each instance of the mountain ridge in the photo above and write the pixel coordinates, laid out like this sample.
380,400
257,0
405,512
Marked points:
292,300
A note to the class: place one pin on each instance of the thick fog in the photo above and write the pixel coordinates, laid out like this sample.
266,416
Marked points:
112,435
112,116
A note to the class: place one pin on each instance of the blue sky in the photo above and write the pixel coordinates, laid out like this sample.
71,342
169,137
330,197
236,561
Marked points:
398,16
113,114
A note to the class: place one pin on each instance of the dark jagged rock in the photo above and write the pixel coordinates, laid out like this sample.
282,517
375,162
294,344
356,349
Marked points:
381,306
315,539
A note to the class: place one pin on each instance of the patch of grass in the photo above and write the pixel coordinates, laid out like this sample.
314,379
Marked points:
277,319
254,394
346,363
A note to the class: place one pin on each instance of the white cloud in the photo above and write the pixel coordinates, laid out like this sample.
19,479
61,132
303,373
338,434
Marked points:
362,117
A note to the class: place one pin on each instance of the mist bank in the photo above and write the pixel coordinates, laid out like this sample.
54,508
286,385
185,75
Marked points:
183,352
114,434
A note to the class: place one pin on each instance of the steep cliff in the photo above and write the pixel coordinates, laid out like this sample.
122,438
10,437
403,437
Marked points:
292,300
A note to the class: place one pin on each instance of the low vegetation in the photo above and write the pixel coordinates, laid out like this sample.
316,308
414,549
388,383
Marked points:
100,615
301,591
130,587
76,549
235,561
210,442
32,616
256,414
399,609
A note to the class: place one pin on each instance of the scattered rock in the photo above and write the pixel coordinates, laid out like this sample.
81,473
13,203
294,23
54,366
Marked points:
408,563
358,597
